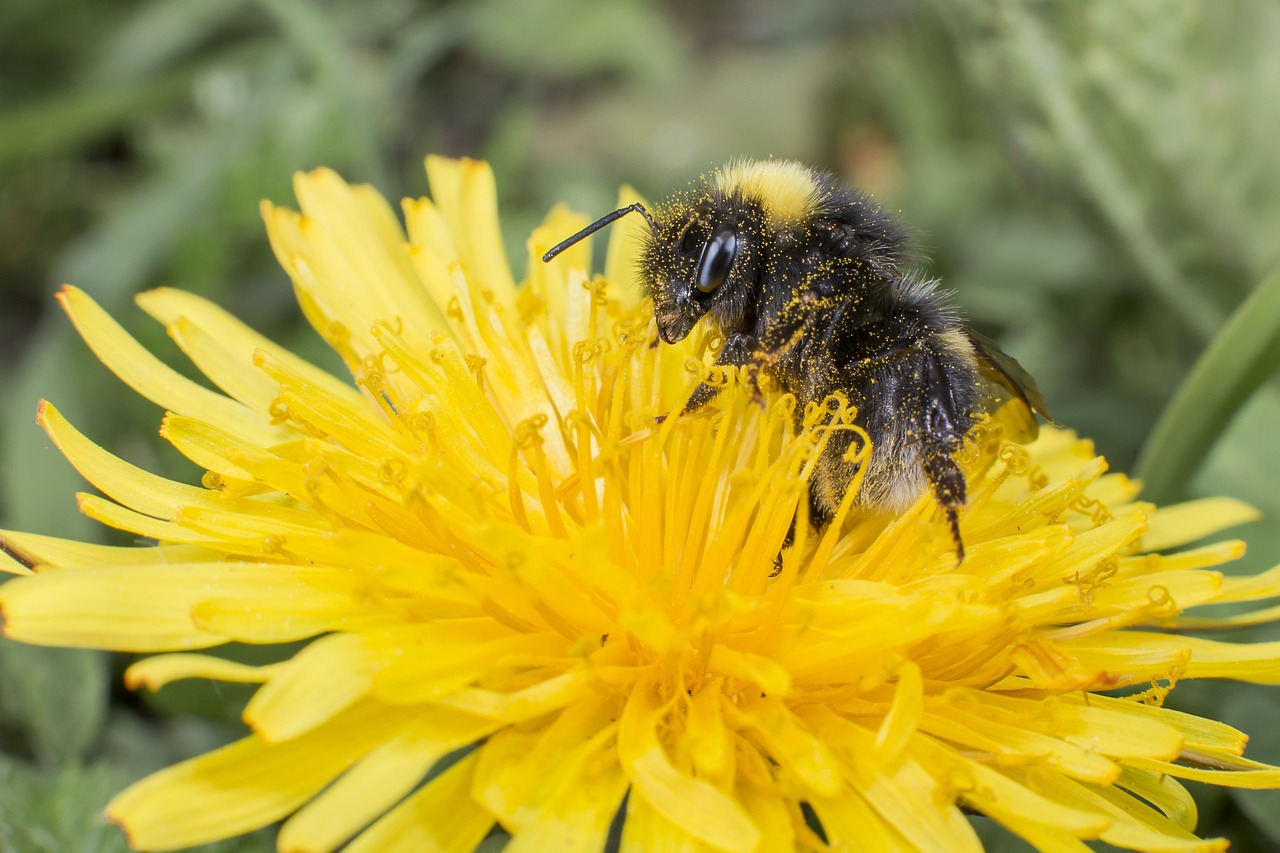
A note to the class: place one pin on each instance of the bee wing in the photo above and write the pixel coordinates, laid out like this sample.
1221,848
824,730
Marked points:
1005,379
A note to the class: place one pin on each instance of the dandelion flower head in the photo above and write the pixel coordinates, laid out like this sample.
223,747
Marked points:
500,555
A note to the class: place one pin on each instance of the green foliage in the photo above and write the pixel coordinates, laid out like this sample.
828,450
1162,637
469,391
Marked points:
1097,181
58,696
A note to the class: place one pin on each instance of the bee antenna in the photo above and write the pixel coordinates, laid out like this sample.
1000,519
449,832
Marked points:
607,219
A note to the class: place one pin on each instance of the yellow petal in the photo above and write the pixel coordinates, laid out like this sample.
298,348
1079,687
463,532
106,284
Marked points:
1134,825
356,249
1164,792
53,553
237,342
431,252
647,829
144,607
136,609
852,827
158,670
208,447
622,253
707,739
135,488
115,516
793,746
691,804
549,695
1012,803
1183,523
1141,652
904,714
440,817
1198,733
468,198
154,379
376,783
247,784
521,770
911,801
1248,774
328,675
576,818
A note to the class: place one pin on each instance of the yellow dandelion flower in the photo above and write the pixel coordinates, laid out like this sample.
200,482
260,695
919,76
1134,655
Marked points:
491,542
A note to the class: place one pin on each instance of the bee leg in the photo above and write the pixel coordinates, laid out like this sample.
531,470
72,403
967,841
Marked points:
948,490
736,352
787,542
944,428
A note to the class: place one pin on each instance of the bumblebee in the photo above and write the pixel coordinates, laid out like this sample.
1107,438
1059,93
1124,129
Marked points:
809,282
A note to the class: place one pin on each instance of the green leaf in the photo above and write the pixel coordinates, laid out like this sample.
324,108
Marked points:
113,261
69,118
58,696
494,843
59,813
319,40
1254,713
161,32
1242,355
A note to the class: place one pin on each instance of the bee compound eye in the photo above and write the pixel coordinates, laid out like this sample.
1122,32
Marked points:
717,257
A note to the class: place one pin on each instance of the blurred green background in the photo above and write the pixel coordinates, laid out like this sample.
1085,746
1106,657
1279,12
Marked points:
1099,182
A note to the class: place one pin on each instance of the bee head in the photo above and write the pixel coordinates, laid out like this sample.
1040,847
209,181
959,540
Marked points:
701,257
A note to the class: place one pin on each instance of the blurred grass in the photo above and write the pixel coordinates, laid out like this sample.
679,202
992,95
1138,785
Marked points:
1097,181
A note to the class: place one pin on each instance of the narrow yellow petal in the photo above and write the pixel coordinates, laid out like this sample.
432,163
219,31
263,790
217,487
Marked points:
453,665
521,771
357,250
1250,775
137,608
996,794
1183,523
154,379
115,516
239,342
132,486
707,739
12,561
1198,733
207,446
134,609
1165,793
549,695
431,251
906,796
793,746
158,670
328,675
691,804
1134,824
622,254
852,827
904,714
375,784
233,372
772,678
468,198
284,613
247,784
1257,663
1263,585
54,553
576,818
647,829
441,817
